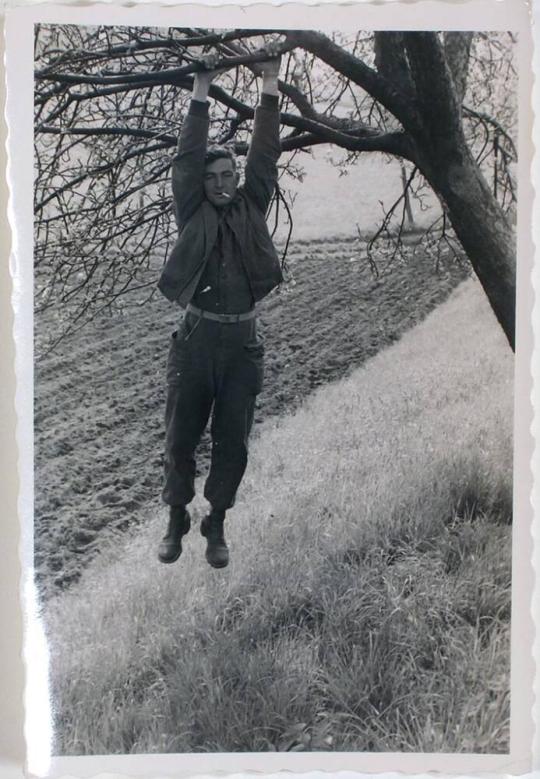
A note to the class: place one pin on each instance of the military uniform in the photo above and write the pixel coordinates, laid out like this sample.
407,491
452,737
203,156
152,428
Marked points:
222,264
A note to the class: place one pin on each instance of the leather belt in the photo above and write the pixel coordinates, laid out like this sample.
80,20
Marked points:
226,318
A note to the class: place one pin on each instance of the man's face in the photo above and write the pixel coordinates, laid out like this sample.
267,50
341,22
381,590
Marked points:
220,181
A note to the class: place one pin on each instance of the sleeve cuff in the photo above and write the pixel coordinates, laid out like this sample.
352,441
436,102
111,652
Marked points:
269,101
198,108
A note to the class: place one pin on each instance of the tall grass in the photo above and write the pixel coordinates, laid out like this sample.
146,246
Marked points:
367,605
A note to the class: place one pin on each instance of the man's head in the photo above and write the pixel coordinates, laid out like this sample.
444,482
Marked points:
220,176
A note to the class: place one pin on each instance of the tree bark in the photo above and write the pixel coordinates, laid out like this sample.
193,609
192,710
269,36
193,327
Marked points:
457,47
483,230
444,158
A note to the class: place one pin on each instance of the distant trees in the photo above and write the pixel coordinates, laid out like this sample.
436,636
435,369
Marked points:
110,102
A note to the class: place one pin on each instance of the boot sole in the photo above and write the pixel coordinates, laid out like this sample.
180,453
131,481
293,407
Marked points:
169,559
217,565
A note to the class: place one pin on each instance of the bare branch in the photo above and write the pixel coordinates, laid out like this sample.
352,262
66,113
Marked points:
357,71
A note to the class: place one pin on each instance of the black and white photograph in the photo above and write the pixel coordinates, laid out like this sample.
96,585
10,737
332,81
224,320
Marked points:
274,410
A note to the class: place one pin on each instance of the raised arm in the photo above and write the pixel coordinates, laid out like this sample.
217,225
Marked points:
188,162
261,164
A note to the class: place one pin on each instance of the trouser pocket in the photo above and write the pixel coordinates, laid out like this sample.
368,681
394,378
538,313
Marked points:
181,351
174,359
188,326
254,351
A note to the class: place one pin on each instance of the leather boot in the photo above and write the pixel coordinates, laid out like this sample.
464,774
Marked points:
217,553
170,547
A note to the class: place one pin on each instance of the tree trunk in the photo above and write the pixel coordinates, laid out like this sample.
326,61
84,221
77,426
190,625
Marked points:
483,230
446,161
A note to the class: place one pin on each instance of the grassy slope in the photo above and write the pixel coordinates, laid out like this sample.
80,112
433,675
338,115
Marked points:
367,604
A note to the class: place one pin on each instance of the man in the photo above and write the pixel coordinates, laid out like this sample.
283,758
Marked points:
222,264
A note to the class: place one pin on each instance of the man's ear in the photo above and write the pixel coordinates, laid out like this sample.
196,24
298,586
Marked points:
237,178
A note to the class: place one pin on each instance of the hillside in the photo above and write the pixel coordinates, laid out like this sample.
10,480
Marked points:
333,200
367,606
99,399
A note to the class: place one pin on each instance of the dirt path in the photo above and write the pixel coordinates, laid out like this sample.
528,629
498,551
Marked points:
100,397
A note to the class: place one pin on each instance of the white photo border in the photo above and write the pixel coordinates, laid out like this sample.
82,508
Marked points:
472,14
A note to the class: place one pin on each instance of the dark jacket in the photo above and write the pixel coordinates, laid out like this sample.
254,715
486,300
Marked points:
197,218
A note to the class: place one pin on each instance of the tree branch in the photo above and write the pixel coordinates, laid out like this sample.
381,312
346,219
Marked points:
139,45
379,87
483,117
166,140
98,170
396,143
170,76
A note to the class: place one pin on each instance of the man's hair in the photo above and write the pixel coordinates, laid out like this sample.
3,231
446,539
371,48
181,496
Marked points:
218,153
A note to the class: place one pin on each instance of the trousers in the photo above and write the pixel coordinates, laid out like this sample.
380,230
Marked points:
216,369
